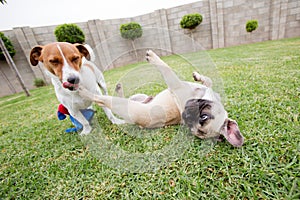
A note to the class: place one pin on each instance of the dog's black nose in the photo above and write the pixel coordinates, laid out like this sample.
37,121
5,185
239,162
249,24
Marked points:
73,79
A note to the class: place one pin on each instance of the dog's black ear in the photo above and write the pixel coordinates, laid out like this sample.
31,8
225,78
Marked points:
231,132
35,54
83,50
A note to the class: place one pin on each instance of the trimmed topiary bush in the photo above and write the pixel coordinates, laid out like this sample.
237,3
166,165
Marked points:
131,30
251,25
9,46
191,21
69,33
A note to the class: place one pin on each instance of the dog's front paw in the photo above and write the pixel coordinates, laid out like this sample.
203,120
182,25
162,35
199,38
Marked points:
197,76
202,79
86,130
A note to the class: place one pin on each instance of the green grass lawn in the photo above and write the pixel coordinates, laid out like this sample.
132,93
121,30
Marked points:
261,89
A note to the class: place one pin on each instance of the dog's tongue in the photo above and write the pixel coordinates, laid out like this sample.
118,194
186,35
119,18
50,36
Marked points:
67,85
70,86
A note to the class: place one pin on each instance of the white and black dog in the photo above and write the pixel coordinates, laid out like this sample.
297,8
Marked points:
193,104
68,66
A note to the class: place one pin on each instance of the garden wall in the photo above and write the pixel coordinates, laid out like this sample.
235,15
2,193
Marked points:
223,26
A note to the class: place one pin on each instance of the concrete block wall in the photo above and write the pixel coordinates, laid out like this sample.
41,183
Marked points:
292,21
8,81
223,25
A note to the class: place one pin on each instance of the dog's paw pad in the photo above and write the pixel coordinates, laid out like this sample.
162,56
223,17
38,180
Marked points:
118,87
149,55
196,76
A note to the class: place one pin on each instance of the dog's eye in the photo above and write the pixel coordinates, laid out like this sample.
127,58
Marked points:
203,118
54,61
75,59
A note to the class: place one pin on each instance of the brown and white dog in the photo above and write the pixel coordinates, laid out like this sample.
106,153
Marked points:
193,104
68,66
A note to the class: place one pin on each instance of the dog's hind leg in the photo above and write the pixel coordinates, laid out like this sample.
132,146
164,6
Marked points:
111,116
171,79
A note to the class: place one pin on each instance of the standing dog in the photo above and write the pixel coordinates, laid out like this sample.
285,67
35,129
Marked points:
194,104
68,66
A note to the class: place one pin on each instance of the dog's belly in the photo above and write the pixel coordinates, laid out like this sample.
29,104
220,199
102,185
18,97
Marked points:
162,110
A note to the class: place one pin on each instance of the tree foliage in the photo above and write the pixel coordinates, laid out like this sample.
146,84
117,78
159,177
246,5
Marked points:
9,46
191,21
131,30
251,25
69,33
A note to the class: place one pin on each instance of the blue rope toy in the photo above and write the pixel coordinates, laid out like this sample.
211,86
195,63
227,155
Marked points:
63,111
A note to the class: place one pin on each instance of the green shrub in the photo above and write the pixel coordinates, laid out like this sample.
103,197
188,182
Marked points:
131,30
38,82
69,33
9,46
251,25
191,21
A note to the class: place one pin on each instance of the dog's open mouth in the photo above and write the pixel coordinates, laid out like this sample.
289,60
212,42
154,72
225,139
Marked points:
70,86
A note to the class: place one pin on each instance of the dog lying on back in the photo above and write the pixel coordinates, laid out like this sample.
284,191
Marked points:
68,66
193,104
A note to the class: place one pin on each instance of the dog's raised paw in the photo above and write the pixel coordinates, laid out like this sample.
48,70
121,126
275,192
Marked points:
196,76
149,52
151,57
202,79
148,55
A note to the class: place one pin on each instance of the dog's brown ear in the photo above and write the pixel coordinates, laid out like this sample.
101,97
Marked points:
231,132
83,51
35,55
